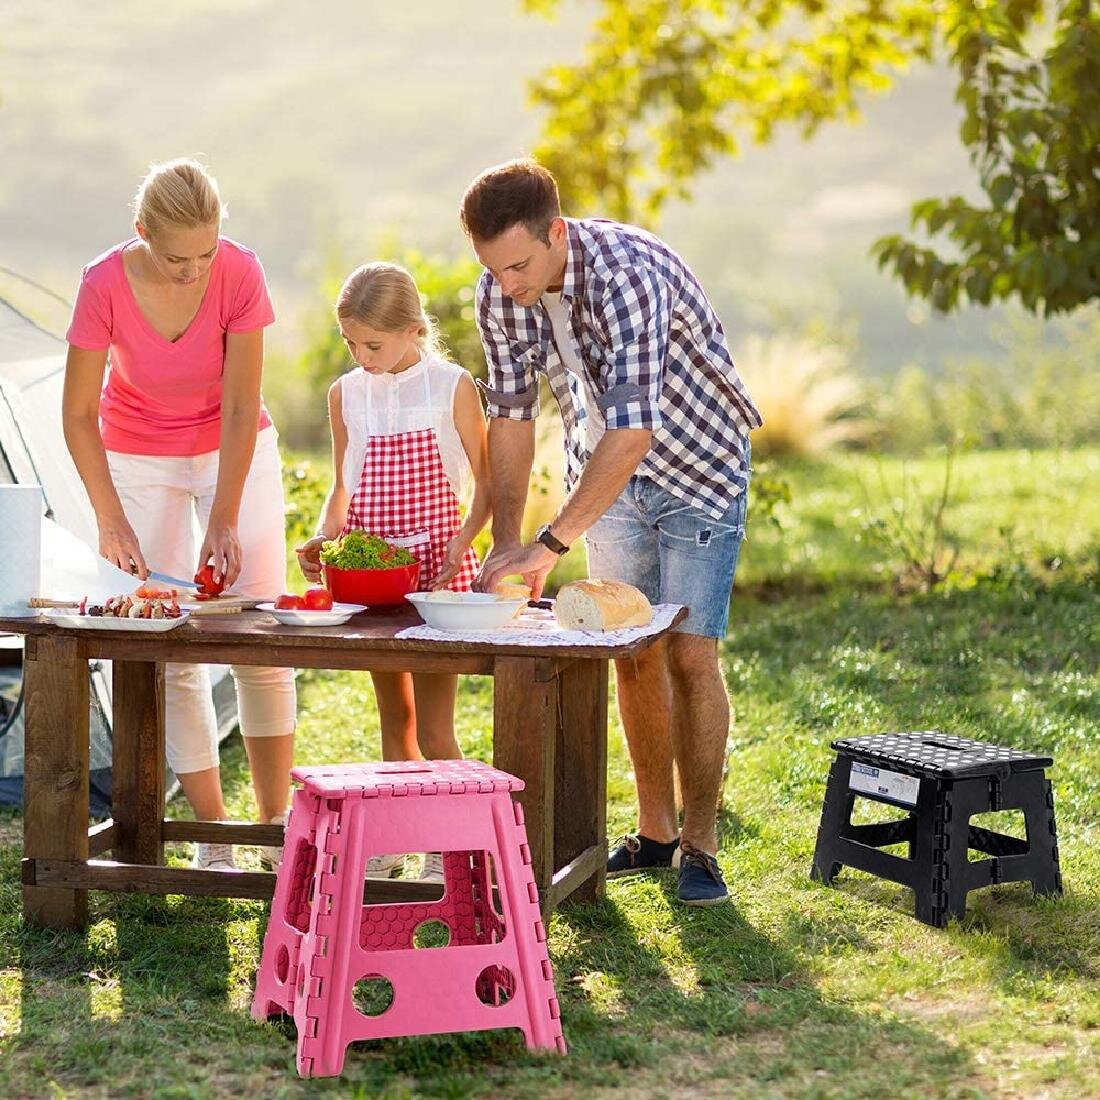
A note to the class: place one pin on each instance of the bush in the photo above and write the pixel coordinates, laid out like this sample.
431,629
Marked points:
306,482
809,397
911,526
1041,393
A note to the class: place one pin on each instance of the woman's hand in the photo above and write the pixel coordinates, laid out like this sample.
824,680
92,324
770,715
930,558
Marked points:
451,564
222,549
120,546
309,557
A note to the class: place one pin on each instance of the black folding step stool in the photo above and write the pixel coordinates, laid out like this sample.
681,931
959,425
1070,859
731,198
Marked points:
942,780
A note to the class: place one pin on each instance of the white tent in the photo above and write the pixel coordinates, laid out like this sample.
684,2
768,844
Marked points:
33,451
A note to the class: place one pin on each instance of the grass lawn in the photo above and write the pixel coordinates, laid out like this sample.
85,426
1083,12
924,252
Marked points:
794,989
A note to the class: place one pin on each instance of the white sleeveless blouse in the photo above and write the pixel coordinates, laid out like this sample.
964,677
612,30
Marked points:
388,404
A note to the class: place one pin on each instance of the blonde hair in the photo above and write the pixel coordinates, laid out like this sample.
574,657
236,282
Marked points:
385,297
177,193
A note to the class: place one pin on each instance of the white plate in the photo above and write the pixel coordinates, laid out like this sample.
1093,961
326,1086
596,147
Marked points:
109,622
471,611
339,614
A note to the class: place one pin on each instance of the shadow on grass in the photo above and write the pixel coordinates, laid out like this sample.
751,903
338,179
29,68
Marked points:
693,995
147,970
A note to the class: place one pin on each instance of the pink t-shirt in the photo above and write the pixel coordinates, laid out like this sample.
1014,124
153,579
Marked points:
164,398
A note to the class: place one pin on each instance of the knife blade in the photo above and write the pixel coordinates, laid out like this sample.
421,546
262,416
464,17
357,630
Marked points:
165,579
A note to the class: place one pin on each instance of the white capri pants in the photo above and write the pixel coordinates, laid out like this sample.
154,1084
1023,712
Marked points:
162,496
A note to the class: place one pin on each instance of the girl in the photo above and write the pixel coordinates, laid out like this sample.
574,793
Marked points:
180,429
408,434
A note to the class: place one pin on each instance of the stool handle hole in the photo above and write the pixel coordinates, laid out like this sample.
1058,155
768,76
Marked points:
372,995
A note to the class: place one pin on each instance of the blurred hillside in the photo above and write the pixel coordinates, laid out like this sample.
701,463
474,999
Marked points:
332,127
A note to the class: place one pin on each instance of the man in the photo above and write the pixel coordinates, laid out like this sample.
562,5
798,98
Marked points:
657,467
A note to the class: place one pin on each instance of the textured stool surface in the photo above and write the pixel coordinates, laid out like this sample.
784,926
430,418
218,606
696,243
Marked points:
405,777
939,754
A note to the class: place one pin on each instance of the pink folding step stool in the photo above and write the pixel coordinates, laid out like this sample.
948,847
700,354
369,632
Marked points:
322,940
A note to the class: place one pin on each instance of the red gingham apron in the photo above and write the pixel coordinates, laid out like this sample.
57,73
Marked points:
404,496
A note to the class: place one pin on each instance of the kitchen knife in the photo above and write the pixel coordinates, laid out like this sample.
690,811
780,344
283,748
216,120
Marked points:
165,579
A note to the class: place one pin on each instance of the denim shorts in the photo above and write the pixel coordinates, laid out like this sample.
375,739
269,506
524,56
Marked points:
672,551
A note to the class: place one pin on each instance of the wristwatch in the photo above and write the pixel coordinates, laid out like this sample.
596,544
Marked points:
544,535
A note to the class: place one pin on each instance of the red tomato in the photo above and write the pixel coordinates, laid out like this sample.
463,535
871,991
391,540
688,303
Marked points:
287,602
318,599
208,586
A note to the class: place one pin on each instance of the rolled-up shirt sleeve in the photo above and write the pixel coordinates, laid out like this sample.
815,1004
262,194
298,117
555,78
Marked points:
512,392
632,322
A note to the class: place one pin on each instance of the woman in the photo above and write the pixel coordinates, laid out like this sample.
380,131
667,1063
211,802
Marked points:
179,430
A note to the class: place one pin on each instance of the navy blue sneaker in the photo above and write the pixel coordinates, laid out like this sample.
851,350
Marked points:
639,853
701,881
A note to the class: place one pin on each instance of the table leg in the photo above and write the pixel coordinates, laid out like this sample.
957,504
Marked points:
525,721
137,761
580,790
55,779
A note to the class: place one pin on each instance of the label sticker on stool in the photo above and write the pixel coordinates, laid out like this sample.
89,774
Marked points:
868,779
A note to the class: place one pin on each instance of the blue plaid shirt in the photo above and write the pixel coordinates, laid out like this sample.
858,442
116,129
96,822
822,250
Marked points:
654,351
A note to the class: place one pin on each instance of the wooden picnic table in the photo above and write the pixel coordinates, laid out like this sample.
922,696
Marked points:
549,729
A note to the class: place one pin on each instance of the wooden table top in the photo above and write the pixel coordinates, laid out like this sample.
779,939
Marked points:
372,631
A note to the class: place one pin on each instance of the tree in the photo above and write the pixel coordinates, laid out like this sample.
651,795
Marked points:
668,86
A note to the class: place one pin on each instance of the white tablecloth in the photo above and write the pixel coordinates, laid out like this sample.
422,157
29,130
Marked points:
536,627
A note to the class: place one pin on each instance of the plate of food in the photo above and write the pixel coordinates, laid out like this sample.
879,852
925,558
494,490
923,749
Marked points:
152,614
315,608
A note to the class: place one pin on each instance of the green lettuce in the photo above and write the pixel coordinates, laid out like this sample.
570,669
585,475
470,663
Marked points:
358,550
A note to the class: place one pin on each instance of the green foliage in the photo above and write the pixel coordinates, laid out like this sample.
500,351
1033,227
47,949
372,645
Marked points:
447,289
911,526
767,492
668,86
1041,392
306,482
1032,126
1035,509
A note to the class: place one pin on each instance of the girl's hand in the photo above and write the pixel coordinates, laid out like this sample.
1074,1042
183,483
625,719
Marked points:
309,558
222,548
120,546
452,563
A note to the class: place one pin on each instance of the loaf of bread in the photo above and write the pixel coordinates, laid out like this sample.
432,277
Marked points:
510,591
601,605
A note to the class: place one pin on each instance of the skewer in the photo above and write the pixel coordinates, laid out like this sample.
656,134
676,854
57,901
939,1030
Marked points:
195,609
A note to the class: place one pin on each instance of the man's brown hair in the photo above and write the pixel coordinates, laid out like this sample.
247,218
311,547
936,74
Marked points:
518,192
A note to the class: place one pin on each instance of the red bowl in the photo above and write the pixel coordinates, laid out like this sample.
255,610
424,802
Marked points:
372,587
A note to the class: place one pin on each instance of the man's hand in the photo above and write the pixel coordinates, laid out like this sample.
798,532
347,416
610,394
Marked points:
533,563
497,553
309,557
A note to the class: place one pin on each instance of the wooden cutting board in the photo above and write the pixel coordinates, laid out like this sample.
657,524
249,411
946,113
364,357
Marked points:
226,600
